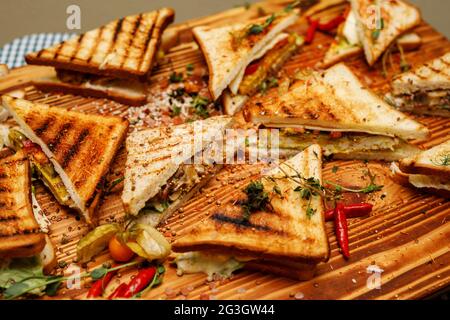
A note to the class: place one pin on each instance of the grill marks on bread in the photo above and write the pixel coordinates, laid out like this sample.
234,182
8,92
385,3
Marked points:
125,47
16,215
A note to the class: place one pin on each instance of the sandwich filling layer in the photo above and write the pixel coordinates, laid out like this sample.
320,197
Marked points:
344,145
422,102
185,179
102,83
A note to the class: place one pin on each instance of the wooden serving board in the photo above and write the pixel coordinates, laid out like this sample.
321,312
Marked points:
407,234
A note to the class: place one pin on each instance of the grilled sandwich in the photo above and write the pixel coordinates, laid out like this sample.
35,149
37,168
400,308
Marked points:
160,172
111,62
380,23
20,235
71,151
424,90
287,232
231,50
347,43
429,170
333,108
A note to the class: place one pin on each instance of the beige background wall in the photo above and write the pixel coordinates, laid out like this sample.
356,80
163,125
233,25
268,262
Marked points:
20,17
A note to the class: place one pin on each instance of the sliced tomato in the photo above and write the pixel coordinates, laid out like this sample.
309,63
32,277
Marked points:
280,44
335,135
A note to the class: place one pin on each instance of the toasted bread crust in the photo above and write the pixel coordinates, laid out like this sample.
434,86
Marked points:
145,37
224,62
19,231
430,162
82,146
322,102
283,233
51,86
394,26
432,75
403,180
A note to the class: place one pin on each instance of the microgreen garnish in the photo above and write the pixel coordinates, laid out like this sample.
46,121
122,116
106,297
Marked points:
200,103
443,160
269,83
258,28
257,199
176,77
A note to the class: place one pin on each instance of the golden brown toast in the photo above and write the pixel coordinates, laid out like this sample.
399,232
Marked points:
154,155
80,146
126,91
397,18
124,48
322,102
20,235
435,161
229,49
284,233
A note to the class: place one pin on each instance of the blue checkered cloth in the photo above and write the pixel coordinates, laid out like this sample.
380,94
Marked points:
13,53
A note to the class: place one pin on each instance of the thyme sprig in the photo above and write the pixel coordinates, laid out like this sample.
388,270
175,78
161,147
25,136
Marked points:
307,188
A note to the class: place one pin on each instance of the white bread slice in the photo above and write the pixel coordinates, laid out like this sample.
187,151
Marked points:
398,17
233,104
224,62
334,100
284,233
341,51
154,155
80,146
48,256
429,183
234,85
433,75
435,161
129,92
354,147
124,48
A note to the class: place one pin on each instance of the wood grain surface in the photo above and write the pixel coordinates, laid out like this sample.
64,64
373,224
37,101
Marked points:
407,234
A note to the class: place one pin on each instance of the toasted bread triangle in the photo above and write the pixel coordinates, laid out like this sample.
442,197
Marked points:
122,48
433,75
226,61
20,235
334,101
154,155
285,232
398,17
80,146
435,161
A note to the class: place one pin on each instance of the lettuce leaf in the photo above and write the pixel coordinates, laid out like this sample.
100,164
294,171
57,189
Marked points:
18,269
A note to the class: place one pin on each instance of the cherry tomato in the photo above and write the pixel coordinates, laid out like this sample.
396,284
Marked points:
119,251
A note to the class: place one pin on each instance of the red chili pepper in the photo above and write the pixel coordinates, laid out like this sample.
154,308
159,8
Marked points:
118,293
332,24
313,24
137,284
351,211
251,69
98,286
340,225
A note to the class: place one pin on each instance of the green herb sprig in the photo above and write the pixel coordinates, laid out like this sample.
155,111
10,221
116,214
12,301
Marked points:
52,283
257,199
